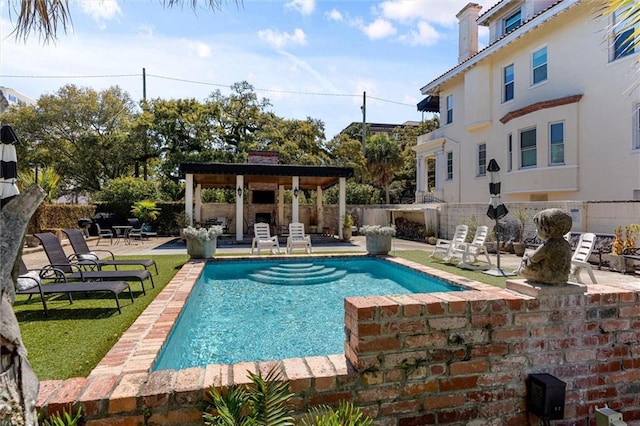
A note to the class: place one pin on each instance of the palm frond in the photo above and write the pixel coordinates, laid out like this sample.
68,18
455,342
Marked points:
345,415
40,16
226,407
269,399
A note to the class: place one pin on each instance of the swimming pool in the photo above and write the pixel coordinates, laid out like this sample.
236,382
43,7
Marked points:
255,310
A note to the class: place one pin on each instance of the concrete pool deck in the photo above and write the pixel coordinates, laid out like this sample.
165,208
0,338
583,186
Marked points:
36,258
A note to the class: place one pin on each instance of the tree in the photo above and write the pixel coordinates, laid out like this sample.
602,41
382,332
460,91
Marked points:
384,159
83,134
346,151
295,141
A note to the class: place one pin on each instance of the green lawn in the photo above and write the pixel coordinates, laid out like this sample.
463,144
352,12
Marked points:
75,337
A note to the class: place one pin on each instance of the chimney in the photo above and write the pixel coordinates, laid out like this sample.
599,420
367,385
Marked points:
468,31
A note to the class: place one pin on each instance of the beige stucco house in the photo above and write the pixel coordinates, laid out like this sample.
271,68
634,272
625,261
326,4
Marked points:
551,98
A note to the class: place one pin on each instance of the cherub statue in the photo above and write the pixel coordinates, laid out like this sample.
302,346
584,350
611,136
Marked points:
551,262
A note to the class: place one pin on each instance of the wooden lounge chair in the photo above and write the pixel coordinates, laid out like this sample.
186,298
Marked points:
263,239
468,252
82,252
86,270
580,258
297,238
31,282
443,247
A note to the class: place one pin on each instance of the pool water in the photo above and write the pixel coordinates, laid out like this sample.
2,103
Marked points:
257,310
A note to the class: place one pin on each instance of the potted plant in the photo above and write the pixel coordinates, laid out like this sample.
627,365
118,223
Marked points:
518,246
146,212
347,230
623,241
201,242
378,238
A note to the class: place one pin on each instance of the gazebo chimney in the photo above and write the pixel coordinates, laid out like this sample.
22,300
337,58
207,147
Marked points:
263,157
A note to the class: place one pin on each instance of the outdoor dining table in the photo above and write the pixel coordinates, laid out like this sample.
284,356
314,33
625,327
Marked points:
122,232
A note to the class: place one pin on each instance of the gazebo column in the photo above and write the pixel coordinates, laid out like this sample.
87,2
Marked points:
280,219
188,198
198,208
342,207
295,211
239,207
319,208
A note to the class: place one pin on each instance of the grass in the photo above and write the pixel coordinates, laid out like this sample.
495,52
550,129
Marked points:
75,337
419,256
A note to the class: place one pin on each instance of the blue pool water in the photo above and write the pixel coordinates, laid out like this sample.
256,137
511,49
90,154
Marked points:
258,310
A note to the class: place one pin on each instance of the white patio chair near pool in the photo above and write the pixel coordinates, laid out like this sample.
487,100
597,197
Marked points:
443,247
297,238
263,239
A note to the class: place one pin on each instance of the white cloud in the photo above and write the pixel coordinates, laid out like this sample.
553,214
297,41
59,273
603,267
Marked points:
280,39
101,10
380,28
435,12
423,35
201,49
333,15
304,7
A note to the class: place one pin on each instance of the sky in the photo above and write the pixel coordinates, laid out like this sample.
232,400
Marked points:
310,58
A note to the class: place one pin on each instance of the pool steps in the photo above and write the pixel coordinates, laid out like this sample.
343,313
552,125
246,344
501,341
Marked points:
298,274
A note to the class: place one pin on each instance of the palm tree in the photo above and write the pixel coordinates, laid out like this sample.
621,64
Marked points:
384,160
44,17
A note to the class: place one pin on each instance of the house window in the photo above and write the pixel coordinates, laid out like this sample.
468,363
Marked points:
509,152
482,159
539,65
512,22
623,40
636,126
528,150
508,83
449,165
556,143
449,109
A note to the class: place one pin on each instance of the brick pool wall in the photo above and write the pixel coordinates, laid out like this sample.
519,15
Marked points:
444,358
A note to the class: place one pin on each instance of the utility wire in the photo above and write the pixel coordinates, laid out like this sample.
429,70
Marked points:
292,92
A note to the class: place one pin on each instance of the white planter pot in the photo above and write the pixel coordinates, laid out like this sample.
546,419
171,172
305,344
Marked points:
197,249
378,244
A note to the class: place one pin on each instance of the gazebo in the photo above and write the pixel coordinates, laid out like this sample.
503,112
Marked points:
267,180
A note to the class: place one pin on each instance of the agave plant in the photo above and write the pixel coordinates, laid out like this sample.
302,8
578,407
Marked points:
63,419
262,404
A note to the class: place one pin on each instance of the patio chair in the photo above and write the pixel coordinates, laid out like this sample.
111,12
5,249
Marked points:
82,252
263,239
104,233
297,238
468,252
580,258
32,282
444,246
86,270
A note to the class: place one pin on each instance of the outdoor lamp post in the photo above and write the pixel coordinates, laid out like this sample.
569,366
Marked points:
496,211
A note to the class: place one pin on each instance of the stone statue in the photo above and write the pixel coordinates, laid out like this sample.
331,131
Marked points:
551,262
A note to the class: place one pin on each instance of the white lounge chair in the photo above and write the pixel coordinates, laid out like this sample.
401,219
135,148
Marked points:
580,258
468,252
297,238
263,239
443,246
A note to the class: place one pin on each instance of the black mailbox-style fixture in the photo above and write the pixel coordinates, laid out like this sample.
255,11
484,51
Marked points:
545,396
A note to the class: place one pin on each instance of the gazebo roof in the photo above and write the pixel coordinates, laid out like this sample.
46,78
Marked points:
223,175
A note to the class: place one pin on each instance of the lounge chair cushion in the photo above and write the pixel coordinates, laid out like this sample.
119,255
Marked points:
28,280
88,256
